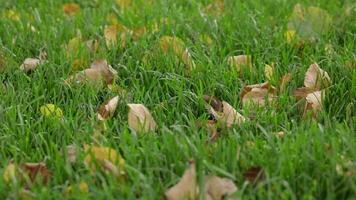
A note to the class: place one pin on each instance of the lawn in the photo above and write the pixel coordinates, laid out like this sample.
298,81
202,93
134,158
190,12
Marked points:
181,77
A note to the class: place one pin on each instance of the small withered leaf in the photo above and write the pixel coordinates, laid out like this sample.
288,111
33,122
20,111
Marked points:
36,171
254,174
214,102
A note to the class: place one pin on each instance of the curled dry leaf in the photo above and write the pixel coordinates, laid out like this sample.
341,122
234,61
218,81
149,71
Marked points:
36,171
254,174
223,112
314,102
71,8
30,64
240,61
106,110
140,118
106,158
186,188
316,78
258,94
217,188
99,70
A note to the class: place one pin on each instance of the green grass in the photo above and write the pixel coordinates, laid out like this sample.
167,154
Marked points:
302,165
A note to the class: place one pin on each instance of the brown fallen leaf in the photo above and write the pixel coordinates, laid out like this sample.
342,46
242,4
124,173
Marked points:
215,103
314,102
186,188
216,7
106,110
254,174
30,64
258,94
107,159
71,8
140,118
240,61
228,116
217,188
36,171
99,70
316,78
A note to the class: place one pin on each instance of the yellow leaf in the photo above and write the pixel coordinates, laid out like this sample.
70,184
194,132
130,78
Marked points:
106,158
111,18
186,188
140,118
9,174
13,15
82,187
71,8
269,71
290,36
51,110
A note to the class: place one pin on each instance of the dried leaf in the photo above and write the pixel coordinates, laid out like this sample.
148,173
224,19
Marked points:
228,116
51,110
217,188
254,174
71,8
316,78
240,61
314,102
216,8
301,93
140,118
186,188
215,103
35,171
107,109
290,36
106,158
257,94
99,70
30,64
